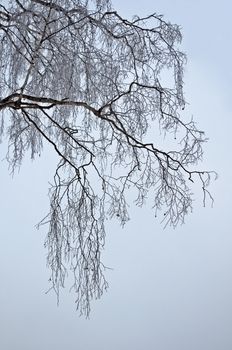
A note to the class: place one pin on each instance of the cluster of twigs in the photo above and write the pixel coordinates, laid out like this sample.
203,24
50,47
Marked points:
87,81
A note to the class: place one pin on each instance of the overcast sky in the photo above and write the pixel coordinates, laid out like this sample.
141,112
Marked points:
169,289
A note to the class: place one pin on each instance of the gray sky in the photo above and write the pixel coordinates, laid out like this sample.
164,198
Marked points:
169,289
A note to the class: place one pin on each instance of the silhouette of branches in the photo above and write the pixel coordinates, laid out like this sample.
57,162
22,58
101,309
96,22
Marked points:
90,83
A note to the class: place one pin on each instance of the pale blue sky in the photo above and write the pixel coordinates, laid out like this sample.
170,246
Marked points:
169,289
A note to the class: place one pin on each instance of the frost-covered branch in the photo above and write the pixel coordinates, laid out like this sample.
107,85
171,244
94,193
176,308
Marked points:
96,87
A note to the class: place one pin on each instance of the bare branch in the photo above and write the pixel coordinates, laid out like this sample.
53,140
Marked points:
99,89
